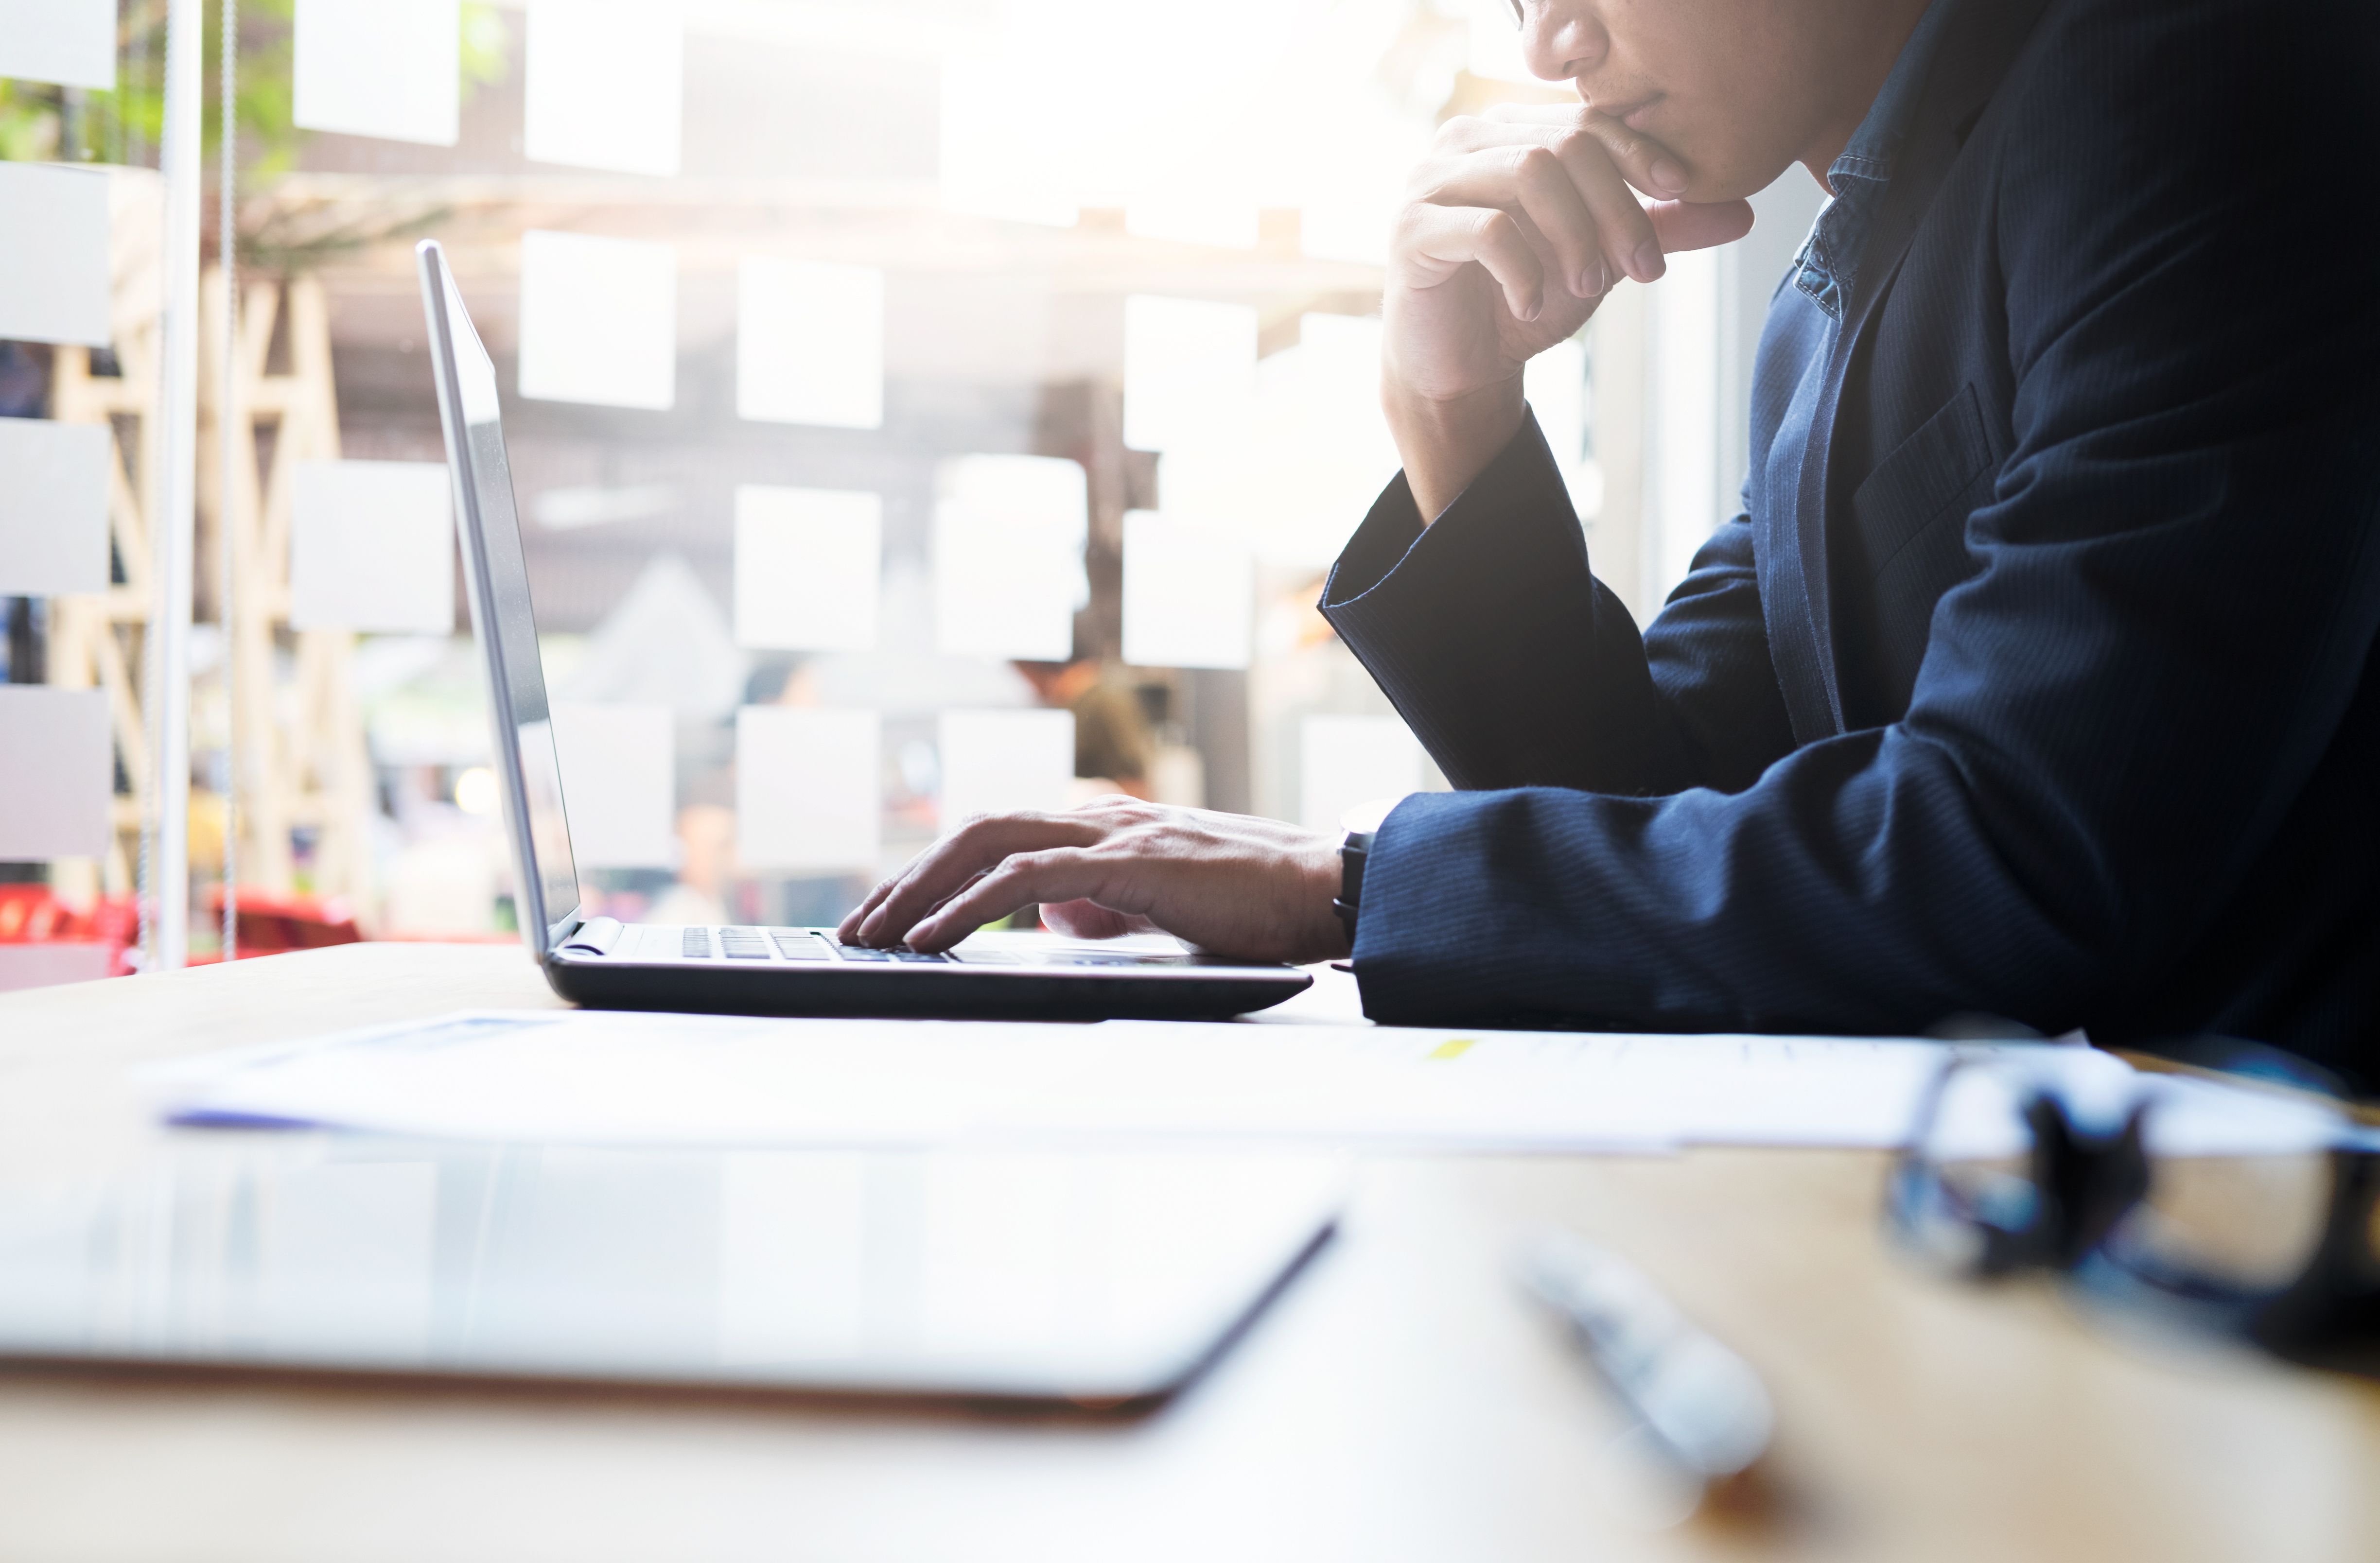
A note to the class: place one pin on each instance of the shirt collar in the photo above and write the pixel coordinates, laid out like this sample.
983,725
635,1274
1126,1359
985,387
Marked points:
1828,263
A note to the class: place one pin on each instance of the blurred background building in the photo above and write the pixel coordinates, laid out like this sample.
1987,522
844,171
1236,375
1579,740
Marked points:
916,408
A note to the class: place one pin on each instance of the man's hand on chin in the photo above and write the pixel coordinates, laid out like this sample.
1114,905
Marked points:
1230,884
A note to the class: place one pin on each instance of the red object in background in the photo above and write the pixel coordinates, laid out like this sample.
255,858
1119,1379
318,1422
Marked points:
274,924
269,924
30,914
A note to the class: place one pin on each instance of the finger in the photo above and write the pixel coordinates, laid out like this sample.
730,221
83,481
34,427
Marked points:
1534,181
1650,164
942,870
1504,125
1692,224
1438,241
1021,879
937,873
1496,146
1647,164
848,929
1630,247
1534,114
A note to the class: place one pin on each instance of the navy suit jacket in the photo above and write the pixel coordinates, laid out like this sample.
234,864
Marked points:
2060,702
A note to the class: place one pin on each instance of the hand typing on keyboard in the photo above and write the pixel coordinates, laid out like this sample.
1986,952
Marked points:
1232,884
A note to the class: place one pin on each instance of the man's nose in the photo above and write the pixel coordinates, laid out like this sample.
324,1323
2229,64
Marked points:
1562,40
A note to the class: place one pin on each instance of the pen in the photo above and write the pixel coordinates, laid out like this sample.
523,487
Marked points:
1699,1408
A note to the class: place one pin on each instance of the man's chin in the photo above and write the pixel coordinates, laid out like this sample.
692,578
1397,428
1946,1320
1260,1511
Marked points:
1716,183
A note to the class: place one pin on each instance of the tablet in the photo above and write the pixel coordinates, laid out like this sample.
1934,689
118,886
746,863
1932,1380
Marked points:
1104,1282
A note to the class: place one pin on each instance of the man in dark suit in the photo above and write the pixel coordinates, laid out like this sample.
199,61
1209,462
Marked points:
2037,677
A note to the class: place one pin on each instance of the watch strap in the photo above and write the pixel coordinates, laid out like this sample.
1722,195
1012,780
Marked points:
1354,849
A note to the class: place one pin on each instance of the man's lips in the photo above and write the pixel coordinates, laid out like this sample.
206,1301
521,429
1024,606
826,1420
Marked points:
1632,113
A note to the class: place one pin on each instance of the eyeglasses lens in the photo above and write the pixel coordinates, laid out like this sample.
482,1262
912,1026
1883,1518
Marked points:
2241,1224
2237,1185
1966,1200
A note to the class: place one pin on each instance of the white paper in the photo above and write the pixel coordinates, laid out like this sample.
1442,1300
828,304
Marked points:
1050,494
54,268
372,548
1063,105
809,344
619,784
808,568
597,320
1296,478
1002,762
390,69
1346,760
604,84
810,789
57,773
1002,586
1050,491
1189,594
1189,367
595,1076
598,1076
70,42
53,508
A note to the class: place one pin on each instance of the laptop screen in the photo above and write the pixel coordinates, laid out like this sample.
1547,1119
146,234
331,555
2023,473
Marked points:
508,625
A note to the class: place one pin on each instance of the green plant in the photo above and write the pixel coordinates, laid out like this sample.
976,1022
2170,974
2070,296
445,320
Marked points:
41,123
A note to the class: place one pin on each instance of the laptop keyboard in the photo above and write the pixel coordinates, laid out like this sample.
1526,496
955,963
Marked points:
793,945
809,947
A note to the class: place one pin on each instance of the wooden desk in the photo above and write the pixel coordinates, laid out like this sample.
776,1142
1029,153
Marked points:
1398,1403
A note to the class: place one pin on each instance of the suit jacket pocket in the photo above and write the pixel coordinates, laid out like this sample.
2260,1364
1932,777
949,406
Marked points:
1920,482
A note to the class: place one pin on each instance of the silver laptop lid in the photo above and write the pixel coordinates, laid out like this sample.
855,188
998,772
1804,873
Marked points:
496,574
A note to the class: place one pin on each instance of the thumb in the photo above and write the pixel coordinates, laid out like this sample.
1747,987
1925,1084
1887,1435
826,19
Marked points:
1681,225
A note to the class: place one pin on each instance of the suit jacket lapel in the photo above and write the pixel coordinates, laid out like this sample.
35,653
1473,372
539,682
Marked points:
1982,41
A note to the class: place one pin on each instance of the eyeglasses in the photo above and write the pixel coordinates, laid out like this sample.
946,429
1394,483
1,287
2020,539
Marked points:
2240,1213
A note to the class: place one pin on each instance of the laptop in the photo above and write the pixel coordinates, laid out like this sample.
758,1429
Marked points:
602,962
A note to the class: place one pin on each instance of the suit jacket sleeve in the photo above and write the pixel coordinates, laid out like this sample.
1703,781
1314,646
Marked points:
2178,597
1515,667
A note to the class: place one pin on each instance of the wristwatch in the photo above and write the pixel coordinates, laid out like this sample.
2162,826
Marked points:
1353,849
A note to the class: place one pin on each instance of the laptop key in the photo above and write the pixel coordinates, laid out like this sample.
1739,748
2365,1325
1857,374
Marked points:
802,947
697,944
857,953
916,955
743,944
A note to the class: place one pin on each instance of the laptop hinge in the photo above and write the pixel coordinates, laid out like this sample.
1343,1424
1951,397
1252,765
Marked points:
590,936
